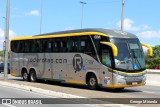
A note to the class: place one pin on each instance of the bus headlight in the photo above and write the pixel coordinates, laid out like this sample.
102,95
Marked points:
144,78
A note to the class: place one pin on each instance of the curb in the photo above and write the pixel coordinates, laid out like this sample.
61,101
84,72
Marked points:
39,90
152,83
59,94
153,71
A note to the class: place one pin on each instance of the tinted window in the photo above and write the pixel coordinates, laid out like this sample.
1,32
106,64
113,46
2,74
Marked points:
96,39
87,46
39,45
20,48
55,46
105,54
33,48
63,45
47,45
14,46
82,44
27,46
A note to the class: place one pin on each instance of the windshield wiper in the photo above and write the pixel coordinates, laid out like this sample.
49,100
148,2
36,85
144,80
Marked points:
137,60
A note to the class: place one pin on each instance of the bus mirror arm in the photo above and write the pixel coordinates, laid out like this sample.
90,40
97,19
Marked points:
149,47
113,46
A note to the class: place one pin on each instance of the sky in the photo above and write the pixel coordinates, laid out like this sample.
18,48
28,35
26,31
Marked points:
141,17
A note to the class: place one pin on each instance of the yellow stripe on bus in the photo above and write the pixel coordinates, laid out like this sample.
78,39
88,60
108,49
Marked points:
13,73
114,47
131,72
59,35
76,82
122,86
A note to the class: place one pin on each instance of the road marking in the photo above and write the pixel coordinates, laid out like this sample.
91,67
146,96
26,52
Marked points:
9,105
29,91
152,84
149,92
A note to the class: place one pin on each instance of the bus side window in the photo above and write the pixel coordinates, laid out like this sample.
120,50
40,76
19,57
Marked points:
87,47
49,46
33,46
58,44
55,49
83,46
76,44
39,46
27,46
74,48
14,46
106,57
70,45
20,47
63,47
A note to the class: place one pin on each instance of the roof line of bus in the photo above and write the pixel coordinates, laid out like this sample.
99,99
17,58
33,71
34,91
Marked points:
63,34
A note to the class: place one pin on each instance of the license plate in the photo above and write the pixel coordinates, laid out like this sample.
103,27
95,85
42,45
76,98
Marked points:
134,83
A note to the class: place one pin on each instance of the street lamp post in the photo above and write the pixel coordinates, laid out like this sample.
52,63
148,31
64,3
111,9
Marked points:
4,43
41,16
122,16
83,3
6,40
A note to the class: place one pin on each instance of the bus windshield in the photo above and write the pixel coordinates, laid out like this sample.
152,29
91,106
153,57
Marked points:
130,55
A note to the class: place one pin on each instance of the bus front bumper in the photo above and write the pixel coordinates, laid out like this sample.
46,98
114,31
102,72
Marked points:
128,80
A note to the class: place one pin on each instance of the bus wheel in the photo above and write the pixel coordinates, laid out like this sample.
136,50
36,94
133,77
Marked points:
32,76
25,75
92,82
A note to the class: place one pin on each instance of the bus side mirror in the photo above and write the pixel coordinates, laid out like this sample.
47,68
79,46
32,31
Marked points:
113,46
149,48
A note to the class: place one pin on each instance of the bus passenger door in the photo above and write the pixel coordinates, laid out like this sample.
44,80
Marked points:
107,59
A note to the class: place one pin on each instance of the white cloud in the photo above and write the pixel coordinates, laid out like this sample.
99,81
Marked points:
1,37
33,13
149,34
128,25
1,33
11,35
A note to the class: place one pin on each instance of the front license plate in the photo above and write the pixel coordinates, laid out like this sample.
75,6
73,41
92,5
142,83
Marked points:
134,83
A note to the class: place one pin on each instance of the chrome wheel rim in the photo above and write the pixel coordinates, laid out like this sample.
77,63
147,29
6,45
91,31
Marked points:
92,81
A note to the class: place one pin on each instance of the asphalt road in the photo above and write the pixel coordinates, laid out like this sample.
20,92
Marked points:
18,94
150,90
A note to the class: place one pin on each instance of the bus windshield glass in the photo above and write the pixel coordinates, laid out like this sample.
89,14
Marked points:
130,55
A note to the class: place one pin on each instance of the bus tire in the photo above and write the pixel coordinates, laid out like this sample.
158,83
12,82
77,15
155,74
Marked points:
32,76
92,82
25,75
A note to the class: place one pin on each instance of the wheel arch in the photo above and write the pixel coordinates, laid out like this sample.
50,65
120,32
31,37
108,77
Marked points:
92,73
23,70
32,69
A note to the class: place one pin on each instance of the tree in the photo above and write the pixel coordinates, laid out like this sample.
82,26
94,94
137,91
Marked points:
154,61
1,53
